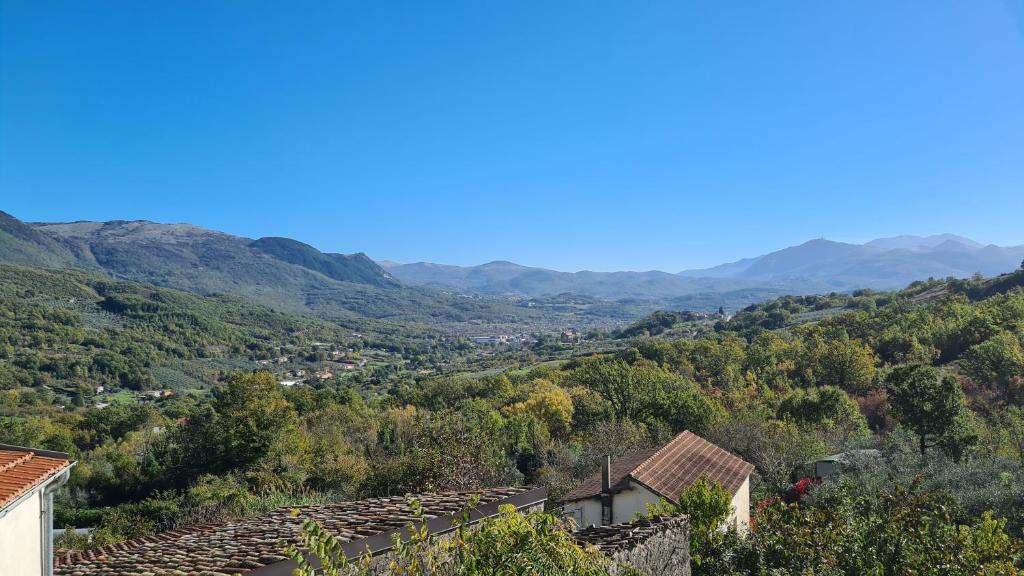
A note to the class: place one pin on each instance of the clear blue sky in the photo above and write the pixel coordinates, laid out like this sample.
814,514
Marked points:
574,135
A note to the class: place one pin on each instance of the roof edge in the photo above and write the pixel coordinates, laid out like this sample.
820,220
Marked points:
36,451
672,499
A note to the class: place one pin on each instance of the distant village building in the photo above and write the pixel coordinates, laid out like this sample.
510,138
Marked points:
325,374
569,336
625,486
156,394
28,479
490,340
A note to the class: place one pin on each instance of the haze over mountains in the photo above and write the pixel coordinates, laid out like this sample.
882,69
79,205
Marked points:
290,275
278,272
814,266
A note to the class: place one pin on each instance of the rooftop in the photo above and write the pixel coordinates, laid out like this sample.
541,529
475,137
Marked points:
671,469
255,544
22,469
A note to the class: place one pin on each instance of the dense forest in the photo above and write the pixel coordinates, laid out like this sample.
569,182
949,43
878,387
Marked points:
930,376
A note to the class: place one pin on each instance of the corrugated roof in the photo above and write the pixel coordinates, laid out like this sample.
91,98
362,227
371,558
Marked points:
671,469
257,543
22,469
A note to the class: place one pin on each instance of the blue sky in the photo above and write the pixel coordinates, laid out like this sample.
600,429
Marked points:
573,135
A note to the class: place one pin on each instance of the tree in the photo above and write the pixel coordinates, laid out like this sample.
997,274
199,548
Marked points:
775,447
827,408
842,362
895,531
549,404
999,361
717,364
684,407
707,505
930,404
251,416
630,389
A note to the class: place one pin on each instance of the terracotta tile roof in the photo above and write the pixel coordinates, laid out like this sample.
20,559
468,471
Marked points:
22,469
253,543
671,469
621,469
611,539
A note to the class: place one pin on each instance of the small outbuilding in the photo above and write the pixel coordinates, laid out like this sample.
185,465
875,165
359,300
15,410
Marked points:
625,486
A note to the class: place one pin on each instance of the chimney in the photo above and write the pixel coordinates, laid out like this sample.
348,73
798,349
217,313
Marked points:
606,475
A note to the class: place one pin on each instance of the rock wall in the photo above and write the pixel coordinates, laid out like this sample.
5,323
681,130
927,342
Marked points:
665,553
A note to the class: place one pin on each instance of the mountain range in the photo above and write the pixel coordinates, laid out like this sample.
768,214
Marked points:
815,266
292,276
281,273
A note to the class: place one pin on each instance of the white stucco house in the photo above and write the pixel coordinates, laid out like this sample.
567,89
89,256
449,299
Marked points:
627,485
28,479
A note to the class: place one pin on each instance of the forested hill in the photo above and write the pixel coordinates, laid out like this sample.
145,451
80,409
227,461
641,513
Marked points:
277,272
66,332
790,311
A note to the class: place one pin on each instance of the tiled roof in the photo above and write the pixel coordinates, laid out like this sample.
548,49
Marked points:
621,469
671,469
22,469
245,545
611,539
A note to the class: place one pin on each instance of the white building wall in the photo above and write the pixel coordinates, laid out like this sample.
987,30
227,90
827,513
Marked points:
21,538
585,513
740,517
625,506
632,501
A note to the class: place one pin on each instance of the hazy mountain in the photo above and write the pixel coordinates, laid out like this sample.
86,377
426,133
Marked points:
885,263
722,270
507,278
191,258
289,275
921,242
814,266
278,272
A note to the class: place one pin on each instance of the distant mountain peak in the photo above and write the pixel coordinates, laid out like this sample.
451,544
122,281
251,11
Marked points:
911,242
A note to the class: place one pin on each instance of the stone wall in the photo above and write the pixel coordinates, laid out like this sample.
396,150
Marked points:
664,553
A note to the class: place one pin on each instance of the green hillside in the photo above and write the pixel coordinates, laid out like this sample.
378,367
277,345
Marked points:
65,332
279,273
341,267
23,244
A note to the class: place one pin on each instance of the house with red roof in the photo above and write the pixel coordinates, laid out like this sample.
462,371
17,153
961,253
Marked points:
28,479
625,486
